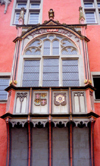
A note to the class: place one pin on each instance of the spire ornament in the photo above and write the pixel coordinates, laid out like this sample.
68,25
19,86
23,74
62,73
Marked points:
81,15
51,14
21,16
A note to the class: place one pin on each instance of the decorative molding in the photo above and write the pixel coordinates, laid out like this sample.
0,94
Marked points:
83,121
62,121
21,96
41,121
60,99
16,121
60,31
6,2
37,48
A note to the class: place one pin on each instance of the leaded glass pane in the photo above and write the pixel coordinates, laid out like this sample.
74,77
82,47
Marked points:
55,45
70,73
46,50
34,18
90,17
51,72
31,73
35,5
3,85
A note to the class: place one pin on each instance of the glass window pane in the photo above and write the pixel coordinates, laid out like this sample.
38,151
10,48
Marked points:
88,5
55,45
31,73
90,17
34,18
4,82
21,5
35,6
46,50
70,73
98,4
51,72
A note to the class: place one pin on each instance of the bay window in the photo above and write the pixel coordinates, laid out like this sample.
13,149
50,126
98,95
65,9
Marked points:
54,62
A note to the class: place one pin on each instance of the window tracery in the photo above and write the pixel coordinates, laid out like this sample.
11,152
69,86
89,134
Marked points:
51,51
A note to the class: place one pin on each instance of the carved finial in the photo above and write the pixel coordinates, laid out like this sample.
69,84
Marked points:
81,15
21,16
6,2
51,14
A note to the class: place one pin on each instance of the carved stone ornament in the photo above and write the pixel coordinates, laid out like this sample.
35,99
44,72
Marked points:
41,121
40,99
18,121
60,31
62,121
60,99
6,2
21,96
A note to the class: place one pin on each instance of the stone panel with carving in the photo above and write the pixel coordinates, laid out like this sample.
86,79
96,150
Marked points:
21,103
60,103
40,102
79,104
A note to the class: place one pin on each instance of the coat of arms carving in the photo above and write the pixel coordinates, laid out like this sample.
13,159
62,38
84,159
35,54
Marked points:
40,99
60,99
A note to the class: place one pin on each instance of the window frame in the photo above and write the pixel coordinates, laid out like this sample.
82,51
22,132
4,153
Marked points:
60,57
5,75
93,74
94,9
28,10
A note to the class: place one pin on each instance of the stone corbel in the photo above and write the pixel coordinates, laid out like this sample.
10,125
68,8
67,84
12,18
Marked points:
16,121
62,121
37,121
6,2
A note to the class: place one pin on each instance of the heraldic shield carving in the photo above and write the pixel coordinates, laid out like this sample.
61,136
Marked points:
40,99
60,99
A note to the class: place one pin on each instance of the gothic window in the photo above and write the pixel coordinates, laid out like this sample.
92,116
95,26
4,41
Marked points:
53,62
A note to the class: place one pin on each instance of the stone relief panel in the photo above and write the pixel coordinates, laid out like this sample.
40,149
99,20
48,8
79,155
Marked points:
60,103
21,103
40,102
79,104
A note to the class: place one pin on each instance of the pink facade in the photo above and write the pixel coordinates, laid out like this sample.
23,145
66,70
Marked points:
76,104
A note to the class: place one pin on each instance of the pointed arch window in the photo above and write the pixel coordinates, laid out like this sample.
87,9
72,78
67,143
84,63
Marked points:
56,64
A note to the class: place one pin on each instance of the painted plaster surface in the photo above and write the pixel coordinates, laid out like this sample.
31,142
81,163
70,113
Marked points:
81,146
60,147
7,34
65,11
19,146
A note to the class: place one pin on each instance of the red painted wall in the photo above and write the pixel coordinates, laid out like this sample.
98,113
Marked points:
66,11
7,34
93,33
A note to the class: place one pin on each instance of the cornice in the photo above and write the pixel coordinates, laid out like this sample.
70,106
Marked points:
51,24
88,86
